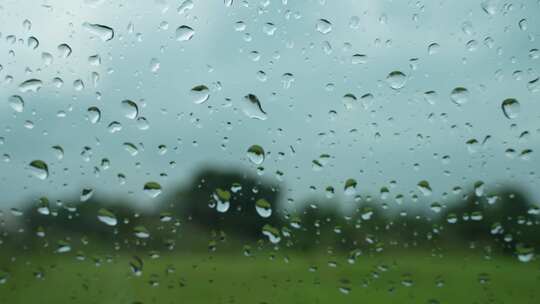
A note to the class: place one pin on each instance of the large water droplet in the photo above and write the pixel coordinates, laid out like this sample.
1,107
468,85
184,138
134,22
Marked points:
152,189
396,80
200,94
459,95
255,154
86,194
184,33
252,107
263,207
272,233
107,217
30,85
222,198
39,169
16,103
510,108
94,114
130,109
323,26
424,187
104,32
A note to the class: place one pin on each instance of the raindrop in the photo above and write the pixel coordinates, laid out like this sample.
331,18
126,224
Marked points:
396,80
489,6
94,114
184,33
86,194
16,103
272,233
263,207
459,95
39,169
152,189
256,154
32,42
200,94
349,100
510,108
64,50
323,26
30,85
131,148
350,186
104,32
222,198
252,107
424,187
107,217
433,48
141,232
130,109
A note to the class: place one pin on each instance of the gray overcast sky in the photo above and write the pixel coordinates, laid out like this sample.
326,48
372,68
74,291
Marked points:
397,135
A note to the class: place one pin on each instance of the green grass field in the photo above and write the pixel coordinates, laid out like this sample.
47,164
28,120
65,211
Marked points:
228,278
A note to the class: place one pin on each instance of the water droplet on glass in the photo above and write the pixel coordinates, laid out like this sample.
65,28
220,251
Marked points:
323,26
64,50
107,217
489,6
94,114
433,48
32,42
350,187
131,148
200,94
252,107
152,189
256,154
184,33
396,80
40,169
130,109
16,103
424,187
263,207
30,85
272,233
104,32
86,194
459,95
222,198
349,100
510,108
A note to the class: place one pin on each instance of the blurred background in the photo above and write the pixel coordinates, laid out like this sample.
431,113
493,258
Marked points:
269,151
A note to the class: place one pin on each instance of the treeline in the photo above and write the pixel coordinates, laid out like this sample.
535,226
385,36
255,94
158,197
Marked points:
221,210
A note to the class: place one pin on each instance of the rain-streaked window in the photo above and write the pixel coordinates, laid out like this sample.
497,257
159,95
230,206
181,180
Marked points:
269,151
